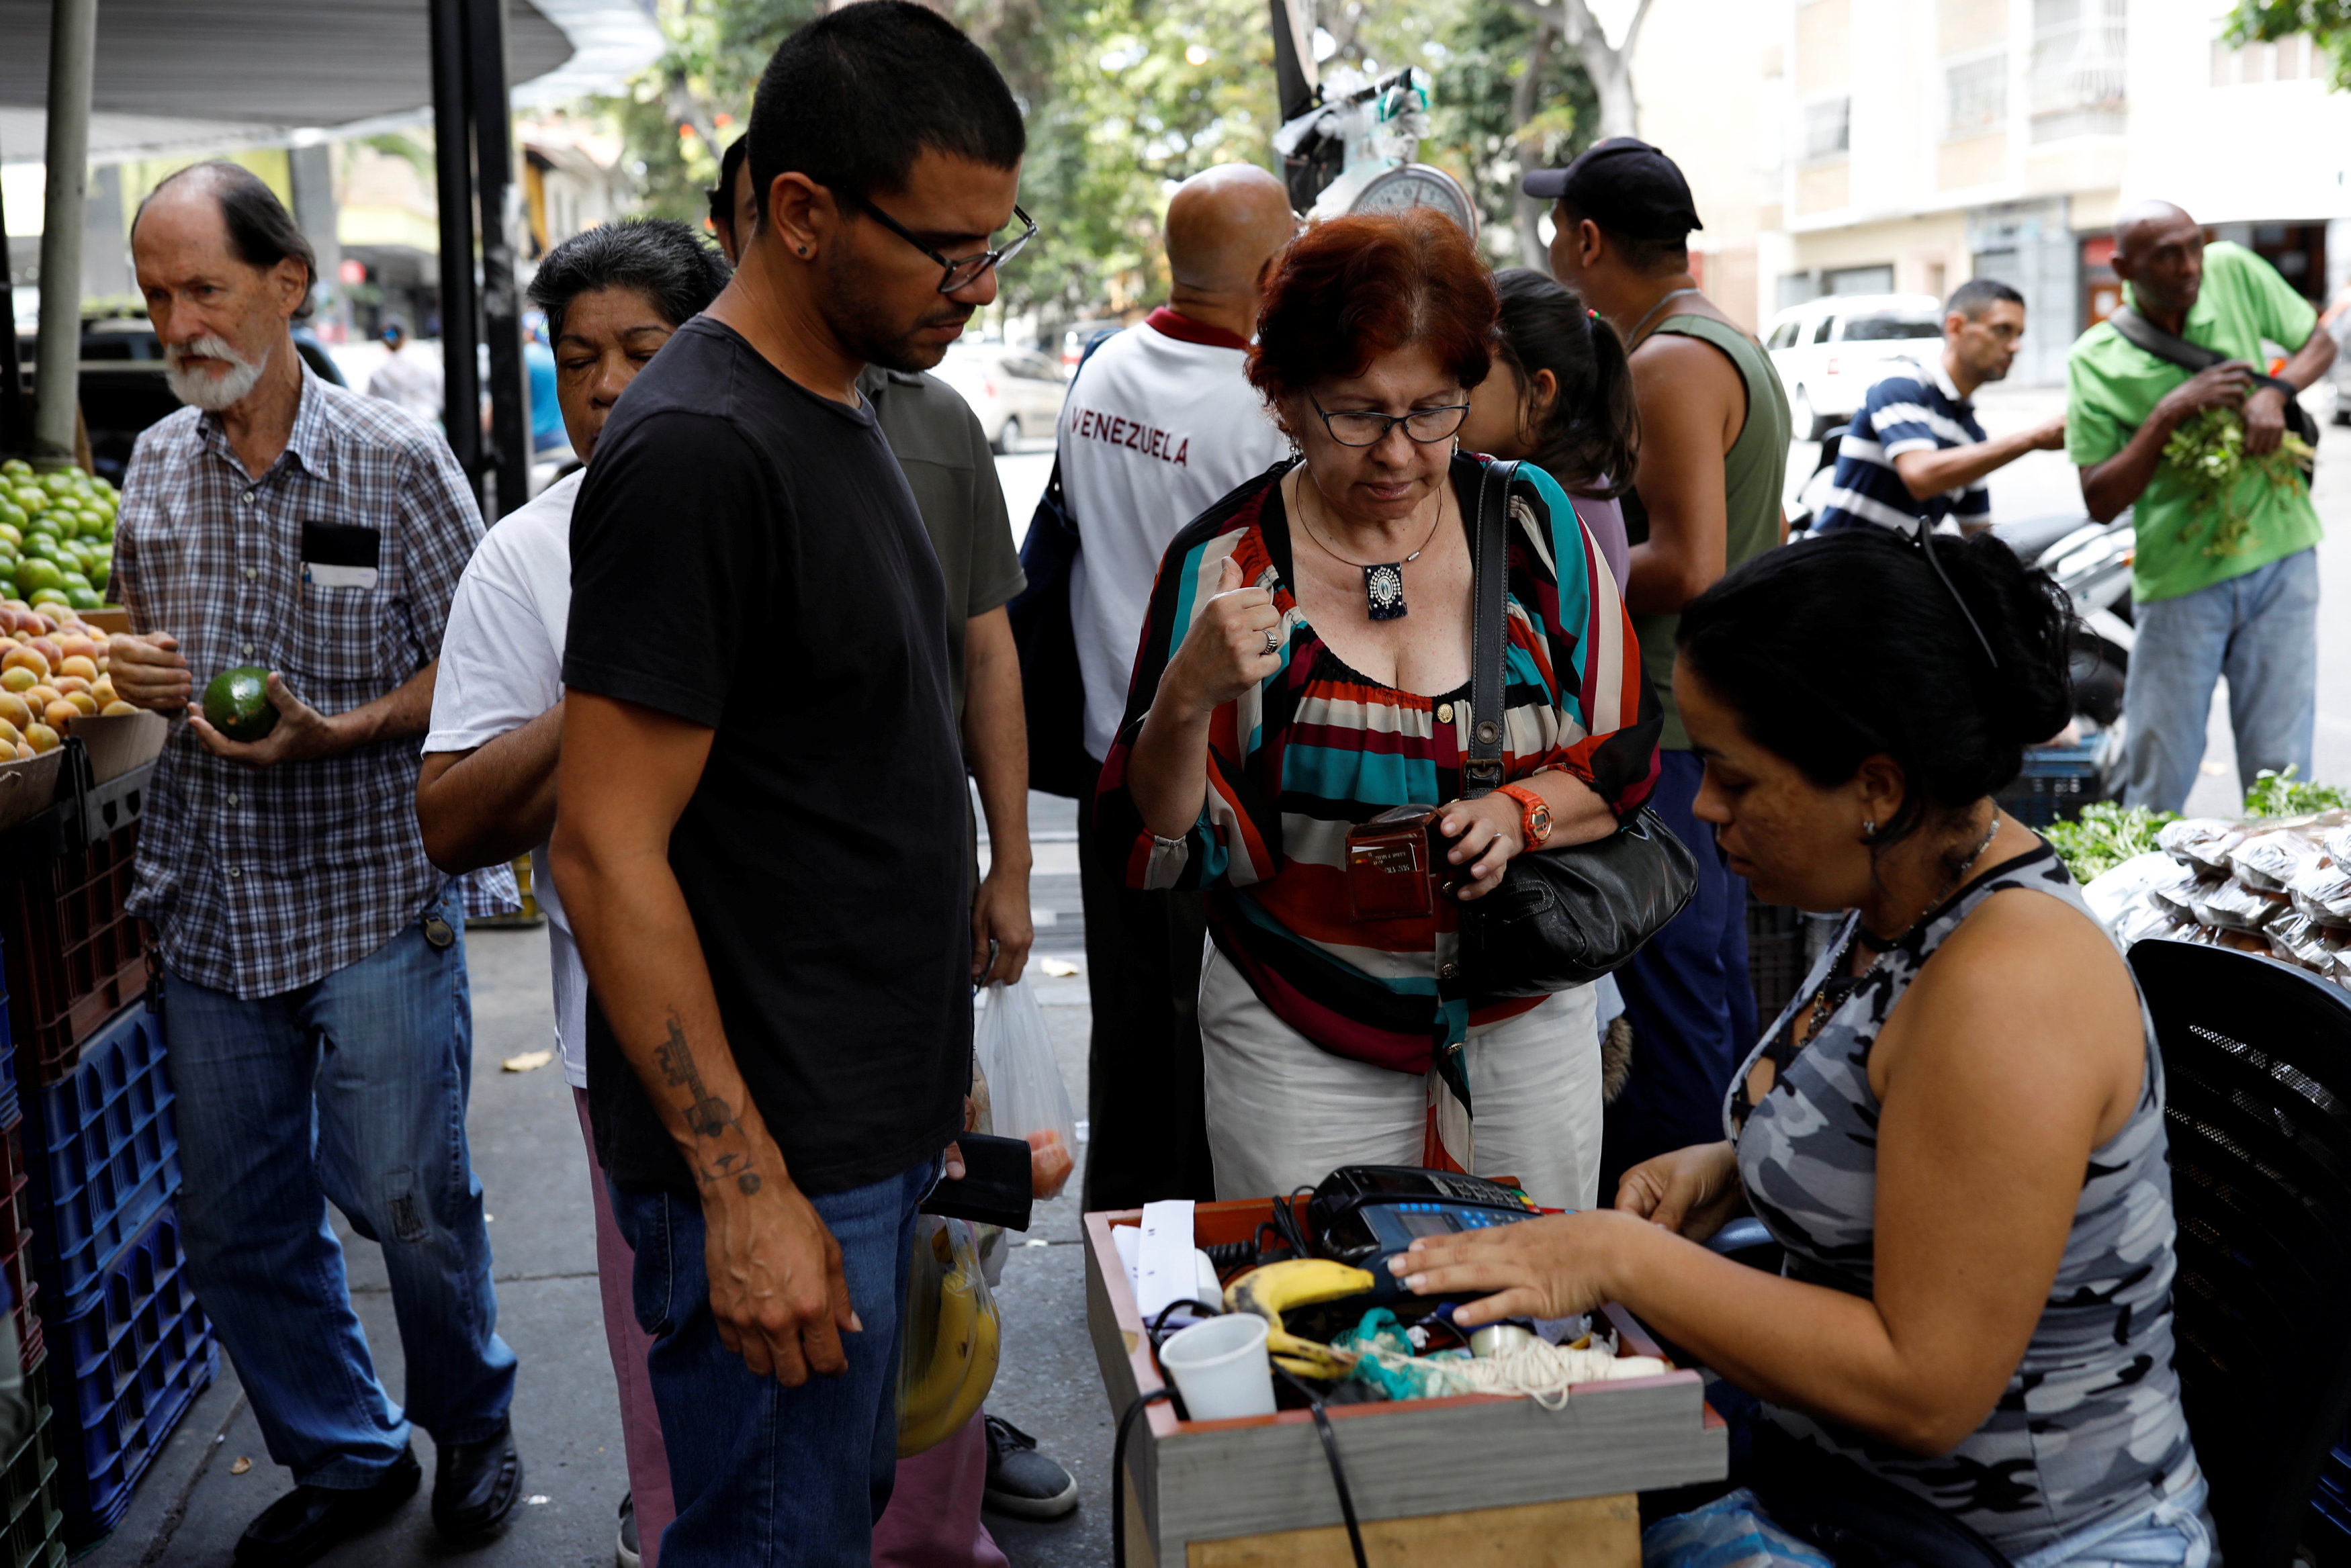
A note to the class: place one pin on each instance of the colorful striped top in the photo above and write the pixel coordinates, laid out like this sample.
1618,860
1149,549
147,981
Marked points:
1318,748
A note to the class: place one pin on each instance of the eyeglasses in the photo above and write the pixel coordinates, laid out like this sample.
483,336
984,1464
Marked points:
961,272
1369,428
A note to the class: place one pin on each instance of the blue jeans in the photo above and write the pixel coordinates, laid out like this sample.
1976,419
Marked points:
766,1476
2260,631
1690,1000
351,1088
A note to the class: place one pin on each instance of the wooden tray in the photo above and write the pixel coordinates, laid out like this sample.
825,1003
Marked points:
1194,1483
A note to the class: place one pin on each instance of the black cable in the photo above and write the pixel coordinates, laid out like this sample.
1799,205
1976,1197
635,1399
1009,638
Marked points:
1338,1470
1285,1220
1158,1327
1118,1474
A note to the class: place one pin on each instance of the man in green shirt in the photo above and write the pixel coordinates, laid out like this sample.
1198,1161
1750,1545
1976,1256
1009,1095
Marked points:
2225,587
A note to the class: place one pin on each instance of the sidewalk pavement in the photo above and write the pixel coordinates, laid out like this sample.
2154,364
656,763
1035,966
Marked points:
192,1503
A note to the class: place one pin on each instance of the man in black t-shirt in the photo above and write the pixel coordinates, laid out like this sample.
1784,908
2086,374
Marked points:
761,833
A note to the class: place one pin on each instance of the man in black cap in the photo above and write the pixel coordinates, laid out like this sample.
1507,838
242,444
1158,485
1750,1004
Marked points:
1706,497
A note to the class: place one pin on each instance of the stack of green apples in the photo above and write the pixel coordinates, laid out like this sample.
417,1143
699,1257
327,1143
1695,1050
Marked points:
57,536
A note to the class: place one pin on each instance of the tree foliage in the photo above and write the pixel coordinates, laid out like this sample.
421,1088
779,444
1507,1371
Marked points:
1125,98
2329,22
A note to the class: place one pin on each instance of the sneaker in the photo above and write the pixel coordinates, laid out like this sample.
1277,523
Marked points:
624,1551
1020,1481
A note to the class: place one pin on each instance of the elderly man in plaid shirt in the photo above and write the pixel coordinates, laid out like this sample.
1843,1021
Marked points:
314,986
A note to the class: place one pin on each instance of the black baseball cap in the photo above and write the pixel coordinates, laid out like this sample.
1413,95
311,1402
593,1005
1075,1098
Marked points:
1626,186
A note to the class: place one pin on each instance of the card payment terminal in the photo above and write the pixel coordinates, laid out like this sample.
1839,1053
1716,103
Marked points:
1363,1214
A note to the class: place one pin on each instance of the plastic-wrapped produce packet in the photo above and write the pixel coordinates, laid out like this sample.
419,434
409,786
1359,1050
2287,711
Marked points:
2299,939
2202,841
2321,890
2237,907
2115,892
2176,891
2146,920
2241,941
2267,861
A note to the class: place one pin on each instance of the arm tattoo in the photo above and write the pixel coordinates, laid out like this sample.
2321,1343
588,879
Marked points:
706,1115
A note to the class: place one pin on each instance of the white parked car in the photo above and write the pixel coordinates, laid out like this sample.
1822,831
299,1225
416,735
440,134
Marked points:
1830,350
1015,392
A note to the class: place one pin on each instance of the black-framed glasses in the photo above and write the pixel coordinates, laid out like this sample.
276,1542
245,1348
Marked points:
1368,427
960,272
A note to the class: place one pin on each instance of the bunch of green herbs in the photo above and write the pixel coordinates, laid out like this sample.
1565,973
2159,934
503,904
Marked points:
2207,450
2282,795
2105,837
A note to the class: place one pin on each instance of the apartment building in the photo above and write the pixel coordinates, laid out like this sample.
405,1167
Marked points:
1923,142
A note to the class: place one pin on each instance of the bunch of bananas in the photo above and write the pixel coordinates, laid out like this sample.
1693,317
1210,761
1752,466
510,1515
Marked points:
953,1334
1270,1288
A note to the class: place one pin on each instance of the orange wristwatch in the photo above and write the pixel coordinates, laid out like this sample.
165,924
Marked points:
1534,822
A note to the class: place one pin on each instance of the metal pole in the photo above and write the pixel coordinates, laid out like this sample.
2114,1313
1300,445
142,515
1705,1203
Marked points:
15,414
485,64
73,49
453,156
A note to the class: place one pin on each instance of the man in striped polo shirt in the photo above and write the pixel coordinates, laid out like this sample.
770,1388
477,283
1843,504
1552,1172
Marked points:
1915,447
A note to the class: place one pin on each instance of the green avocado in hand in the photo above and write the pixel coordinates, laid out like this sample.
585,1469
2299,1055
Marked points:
237,703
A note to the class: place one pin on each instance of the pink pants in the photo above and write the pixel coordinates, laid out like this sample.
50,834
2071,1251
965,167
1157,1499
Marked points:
933,1519
640,1433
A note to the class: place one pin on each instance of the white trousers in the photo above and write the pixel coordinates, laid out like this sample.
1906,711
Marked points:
1283,1112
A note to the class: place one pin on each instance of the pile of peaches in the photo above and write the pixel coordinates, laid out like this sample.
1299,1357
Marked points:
53,670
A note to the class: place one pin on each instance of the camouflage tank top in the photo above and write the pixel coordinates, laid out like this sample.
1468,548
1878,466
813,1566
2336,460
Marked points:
2090,1426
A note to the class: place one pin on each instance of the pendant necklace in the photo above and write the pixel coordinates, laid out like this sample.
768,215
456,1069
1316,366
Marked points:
1840,984
1384,581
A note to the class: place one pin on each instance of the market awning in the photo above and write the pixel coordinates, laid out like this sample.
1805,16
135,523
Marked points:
172,75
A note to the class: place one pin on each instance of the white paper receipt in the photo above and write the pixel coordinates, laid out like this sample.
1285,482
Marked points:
1164,1266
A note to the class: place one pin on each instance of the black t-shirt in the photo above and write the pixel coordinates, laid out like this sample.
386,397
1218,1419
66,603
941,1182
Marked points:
746,555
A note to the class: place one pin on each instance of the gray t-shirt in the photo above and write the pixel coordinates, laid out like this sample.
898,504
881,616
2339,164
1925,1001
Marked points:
947,463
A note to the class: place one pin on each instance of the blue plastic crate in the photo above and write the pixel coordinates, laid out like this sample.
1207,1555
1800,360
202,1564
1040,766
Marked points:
123,1373
104,1159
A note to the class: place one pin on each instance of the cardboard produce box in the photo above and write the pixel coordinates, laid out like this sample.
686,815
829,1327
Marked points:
1477,1478
118,744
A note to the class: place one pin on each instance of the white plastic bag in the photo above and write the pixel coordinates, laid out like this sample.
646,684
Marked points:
1026,1098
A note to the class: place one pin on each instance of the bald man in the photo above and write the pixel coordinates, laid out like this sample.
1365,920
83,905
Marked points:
1159,425
2229,590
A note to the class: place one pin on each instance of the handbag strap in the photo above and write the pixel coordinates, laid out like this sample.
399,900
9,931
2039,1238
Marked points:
1482,771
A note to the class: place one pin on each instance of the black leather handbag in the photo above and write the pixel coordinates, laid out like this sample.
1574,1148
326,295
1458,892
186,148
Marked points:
1562,917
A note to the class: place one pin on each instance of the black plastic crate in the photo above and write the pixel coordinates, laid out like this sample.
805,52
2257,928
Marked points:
17,1246
28,1484
1775,955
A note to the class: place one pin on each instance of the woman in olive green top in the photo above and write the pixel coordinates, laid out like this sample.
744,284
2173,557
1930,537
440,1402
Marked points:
1706,498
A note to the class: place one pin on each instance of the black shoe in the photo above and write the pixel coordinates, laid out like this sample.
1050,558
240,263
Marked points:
624,1551
474,1485
307,1523
1020,1481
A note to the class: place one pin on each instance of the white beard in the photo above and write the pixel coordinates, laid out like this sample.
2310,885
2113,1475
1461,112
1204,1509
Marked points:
201,389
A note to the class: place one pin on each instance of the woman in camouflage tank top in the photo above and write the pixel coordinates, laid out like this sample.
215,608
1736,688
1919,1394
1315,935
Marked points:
1956,1133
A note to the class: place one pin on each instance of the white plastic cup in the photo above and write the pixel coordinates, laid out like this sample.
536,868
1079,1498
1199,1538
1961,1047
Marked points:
1221,1368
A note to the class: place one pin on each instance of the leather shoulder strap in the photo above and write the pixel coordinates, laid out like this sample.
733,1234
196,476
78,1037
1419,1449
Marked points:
1481,773
2141,332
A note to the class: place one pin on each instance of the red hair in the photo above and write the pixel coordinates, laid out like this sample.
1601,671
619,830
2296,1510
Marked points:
1355,288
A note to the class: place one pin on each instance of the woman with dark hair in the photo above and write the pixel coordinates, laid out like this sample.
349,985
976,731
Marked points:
1305,667
1956,1132
1561,397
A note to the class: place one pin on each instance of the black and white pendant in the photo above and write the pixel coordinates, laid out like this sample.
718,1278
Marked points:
1384,590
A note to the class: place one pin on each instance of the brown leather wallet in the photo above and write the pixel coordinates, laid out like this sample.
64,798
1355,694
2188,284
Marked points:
1392,863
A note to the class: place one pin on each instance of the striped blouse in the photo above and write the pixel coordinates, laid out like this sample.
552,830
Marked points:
1318,748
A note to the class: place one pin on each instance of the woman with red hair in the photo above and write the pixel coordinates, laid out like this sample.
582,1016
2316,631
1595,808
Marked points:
1306,667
